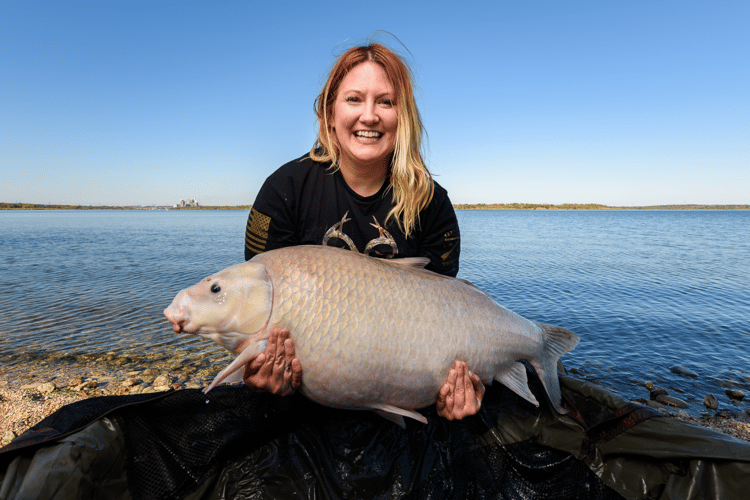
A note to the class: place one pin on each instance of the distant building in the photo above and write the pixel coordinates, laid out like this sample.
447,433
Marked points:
187,203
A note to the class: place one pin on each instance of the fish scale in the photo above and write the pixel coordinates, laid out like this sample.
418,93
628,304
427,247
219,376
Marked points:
371,333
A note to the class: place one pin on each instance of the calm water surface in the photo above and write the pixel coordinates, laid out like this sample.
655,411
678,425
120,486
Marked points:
645,290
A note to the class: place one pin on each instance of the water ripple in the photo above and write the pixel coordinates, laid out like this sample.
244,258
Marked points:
644,290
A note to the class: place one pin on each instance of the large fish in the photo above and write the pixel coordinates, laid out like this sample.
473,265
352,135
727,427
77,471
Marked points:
369,333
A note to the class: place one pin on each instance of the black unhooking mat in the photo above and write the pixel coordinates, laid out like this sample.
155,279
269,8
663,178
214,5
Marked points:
234,443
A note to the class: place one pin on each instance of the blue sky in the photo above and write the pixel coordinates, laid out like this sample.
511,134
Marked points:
135,102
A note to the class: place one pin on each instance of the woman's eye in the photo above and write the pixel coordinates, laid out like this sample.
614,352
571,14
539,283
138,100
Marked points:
352,99
215,288
386,102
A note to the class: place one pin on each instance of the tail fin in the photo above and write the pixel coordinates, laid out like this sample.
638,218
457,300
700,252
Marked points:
558,341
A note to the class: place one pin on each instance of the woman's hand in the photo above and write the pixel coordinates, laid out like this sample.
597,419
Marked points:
275,370
461,395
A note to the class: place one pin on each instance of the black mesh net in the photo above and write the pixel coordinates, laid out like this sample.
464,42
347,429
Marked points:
234,443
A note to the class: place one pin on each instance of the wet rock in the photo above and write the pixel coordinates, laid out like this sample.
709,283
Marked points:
148,390
76,381
735,394
685,372
656,392
650,386
89,384
711,402
654,404
46,388
671,401
163,380
8,437
148,372
30,387
130,382
189,370
176,386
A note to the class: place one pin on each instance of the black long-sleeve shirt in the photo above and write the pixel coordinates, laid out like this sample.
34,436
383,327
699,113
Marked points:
302,200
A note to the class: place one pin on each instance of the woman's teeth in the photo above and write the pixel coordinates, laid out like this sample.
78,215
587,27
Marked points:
369,135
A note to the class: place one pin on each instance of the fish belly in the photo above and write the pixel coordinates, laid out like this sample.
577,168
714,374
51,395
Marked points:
369,331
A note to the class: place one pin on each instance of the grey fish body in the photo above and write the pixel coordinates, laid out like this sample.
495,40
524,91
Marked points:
378,334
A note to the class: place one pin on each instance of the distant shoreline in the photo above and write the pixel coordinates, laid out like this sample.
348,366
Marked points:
460,206
36,206
590,206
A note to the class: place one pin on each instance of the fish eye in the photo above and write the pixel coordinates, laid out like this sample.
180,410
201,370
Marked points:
215,288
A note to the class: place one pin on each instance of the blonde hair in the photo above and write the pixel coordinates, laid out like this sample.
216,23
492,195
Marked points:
410,181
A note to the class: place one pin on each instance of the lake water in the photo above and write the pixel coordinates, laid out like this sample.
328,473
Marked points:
645,290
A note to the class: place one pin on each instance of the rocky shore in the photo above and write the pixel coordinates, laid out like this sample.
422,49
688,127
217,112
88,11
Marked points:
28,394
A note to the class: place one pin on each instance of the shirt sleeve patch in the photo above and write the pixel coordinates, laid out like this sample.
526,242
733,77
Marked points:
256,233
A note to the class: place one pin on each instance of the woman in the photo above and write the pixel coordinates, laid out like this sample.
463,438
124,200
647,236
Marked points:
363,186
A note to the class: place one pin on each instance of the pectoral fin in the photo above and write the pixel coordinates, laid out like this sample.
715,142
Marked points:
232,372
396,415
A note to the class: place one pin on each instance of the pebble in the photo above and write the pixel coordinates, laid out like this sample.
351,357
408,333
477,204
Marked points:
654,404
656,392
672,401
76,381
8,437
711,402
46,388
30,387
735,394
130,382
685,372
89,384
163,380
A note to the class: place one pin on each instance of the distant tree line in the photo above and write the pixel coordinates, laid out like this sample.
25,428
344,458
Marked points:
224,207
589,206
36,206
692,207
474,206
532,206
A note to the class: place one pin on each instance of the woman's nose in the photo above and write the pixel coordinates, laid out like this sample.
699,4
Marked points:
369,113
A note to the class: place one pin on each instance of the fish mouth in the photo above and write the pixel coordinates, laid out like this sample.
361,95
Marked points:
180,322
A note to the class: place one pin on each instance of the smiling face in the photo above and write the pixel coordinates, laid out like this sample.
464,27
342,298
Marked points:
365,118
